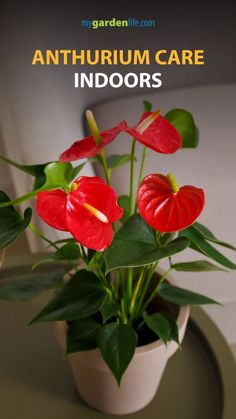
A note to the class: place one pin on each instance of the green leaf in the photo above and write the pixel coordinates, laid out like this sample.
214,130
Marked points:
57,174
117,343
184,123
209,236
197,266
109,310
36,170
204,247
25,287
70,251
174,331
124,203
76,170
182,296
159,324
81,297
147,106
166,238
82,335
118,160
12,225
135,245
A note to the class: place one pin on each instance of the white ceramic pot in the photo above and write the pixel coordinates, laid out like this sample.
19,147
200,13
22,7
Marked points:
97,386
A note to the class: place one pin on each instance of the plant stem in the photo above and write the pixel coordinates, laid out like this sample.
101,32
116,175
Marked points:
132,164
137,289
41,235
144,155
148,278
105,167
131,212
153,294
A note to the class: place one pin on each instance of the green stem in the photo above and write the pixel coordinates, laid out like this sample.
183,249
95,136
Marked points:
41,235
105,167
153,294
144,290
137,289
131,212
144,155
132,164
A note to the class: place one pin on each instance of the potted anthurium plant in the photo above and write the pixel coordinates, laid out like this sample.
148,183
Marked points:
117,317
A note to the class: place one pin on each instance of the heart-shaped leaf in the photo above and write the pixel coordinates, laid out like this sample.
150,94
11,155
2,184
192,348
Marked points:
12,225
81,297
184,123
26,287
135,245
117,343
82,335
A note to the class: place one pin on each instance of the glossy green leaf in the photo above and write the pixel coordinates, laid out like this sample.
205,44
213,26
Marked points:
204,247
159,324
209,236
58,175
124,203
81,297
36,170
135,245
108,310
76,170
166,238
174,331
82,335
147,106
118,160
182,296
184,123
26,287
70,251
197,266
117,343
12,225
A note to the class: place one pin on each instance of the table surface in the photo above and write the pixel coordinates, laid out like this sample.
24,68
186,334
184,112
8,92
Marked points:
36,381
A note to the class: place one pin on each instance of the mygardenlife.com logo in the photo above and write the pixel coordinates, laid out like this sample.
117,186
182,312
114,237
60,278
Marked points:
131,22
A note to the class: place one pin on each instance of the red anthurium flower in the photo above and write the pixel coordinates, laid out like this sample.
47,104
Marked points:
87,211
91,146
156,132
165,206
